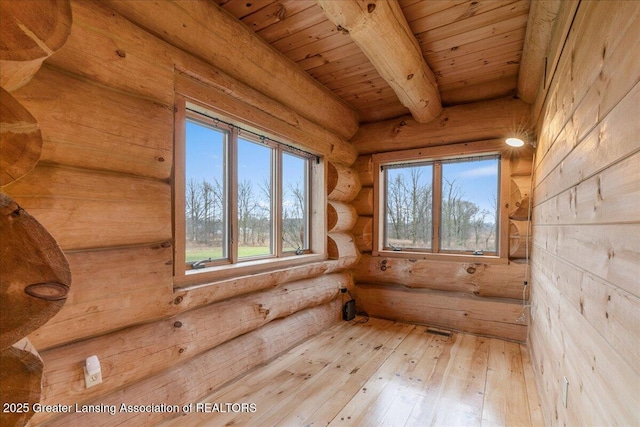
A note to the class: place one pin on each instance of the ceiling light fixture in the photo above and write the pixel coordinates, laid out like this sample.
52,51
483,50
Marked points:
514,142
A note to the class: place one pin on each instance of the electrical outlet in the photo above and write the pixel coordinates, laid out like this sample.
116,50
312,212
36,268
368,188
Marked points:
565,391
92,380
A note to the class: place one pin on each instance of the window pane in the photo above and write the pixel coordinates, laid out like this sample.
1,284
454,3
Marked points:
469,205
295,211
409,202
205,195
255,219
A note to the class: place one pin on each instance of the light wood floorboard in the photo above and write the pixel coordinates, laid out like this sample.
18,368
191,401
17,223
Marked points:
381,373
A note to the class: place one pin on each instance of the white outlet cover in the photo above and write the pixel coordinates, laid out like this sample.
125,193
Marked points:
92,380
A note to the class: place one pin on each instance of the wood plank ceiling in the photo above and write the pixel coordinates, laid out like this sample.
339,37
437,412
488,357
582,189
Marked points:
473,47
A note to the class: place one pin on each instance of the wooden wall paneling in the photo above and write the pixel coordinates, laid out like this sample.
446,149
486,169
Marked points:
340,216
610,196
603,79
470,122
447,310
111,292
478,279
30,34
98,134
599,380
95,210
615,138
207,31
564,20
174,340
194,379
20,139
602,249
584,263
343,183
612,312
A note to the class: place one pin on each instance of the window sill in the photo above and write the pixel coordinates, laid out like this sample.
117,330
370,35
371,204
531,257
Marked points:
481,259
211,275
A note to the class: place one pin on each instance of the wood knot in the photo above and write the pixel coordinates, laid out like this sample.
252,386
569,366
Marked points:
281,13
471,270
48,291
121,53
371,7
177,300
410,76
177,324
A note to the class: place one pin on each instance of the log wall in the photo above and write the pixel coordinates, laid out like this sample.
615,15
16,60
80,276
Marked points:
102,187
477,297
586,227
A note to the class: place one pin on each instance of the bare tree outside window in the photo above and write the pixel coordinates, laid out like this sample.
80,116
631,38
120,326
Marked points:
468,205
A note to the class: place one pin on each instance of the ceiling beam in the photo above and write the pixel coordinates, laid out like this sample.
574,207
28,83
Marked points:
380,29
534,63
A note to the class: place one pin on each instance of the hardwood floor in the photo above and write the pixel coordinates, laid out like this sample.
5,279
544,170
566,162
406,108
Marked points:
379,372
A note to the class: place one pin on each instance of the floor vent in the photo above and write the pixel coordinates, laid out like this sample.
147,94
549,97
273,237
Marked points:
436,331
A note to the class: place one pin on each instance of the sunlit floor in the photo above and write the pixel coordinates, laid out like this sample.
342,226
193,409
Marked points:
379,372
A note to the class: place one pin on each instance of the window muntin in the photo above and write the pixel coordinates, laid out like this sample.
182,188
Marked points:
441,206
257,189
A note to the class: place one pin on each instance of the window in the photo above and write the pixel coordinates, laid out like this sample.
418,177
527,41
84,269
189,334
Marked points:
241,198
445,206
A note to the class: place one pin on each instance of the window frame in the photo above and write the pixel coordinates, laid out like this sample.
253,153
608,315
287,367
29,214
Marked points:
436,155
184,277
